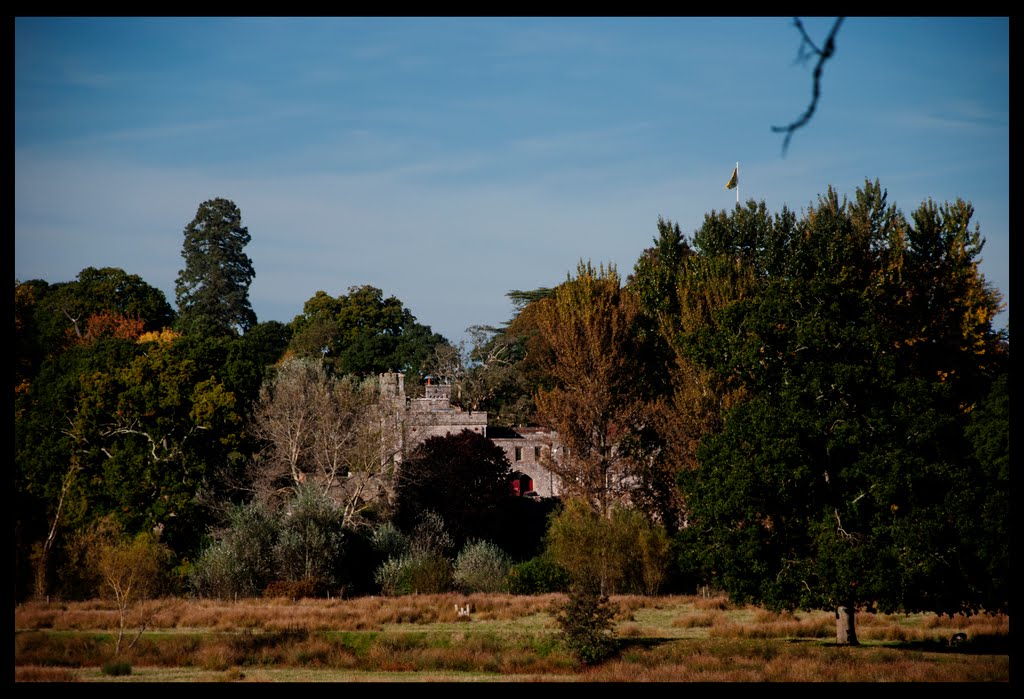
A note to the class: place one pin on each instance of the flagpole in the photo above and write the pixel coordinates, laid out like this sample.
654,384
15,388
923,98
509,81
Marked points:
734,182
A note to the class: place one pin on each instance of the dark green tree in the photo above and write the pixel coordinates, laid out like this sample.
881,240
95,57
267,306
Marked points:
663,443
521,298
465,478
654,276
363,333
844,479
28,345
163,424
986,516
213,288
680,298
51,473
248,359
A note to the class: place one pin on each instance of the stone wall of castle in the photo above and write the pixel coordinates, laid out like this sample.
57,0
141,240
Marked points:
527,450
433,415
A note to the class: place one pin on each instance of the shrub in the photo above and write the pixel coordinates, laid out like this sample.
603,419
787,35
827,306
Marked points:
537,576
117,668
431,534
418,572
78,573
634,554
420,562
389,541
242,562
310,542
389,576
586,620
481,567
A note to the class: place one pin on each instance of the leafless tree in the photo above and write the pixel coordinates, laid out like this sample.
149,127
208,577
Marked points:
446,364
284,418
335,433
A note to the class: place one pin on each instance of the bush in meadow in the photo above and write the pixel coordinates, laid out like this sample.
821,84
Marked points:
482,566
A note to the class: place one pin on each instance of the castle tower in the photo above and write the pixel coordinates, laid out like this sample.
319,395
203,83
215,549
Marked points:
392,385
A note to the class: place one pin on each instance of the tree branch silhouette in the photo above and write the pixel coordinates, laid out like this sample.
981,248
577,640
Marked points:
807,50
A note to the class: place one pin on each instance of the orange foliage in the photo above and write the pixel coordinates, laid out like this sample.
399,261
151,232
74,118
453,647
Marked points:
110,324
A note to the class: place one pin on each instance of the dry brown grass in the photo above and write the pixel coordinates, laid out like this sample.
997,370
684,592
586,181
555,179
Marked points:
714,602
698,620
276,614
422,638
765,624
35,673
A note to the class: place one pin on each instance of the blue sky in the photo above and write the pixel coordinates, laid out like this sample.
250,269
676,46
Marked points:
448,161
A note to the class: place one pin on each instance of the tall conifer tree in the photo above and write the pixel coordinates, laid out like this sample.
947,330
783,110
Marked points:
213,289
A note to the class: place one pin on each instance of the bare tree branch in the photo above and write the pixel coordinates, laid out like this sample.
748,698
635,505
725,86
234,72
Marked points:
807,50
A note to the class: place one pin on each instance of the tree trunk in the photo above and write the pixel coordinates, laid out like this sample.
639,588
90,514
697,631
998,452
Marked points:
43,557
41,590
846,633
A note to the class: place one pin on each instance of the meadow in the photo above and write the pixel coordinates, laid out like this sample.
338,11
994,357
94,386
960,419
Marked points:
505,638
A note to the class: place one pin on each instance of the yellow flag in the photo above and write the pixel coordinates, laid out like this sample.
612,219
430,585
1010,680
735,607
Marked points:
735,179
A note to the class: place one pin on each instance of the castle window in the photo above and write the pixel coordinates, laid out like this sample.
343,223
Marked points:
536,453
519,453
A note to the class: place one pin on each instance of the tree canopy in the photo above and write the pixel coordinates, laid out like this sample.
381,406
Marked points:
130,428
590,325
102,302
363,333
841,480
506,364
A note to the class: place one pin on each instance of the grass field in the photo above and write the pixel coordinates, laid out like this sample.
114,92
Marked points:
506,638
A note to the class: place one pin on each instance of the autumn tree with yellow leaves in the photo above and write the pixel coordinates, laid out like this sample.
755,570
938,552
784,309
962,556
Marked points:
589,328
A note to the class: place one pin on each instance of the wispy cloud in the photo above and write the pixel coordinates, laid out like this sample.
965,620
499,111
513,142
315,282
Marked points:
956,116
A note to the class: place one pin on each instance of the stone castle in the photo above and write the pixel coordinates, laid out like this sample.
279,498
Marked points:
433,415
